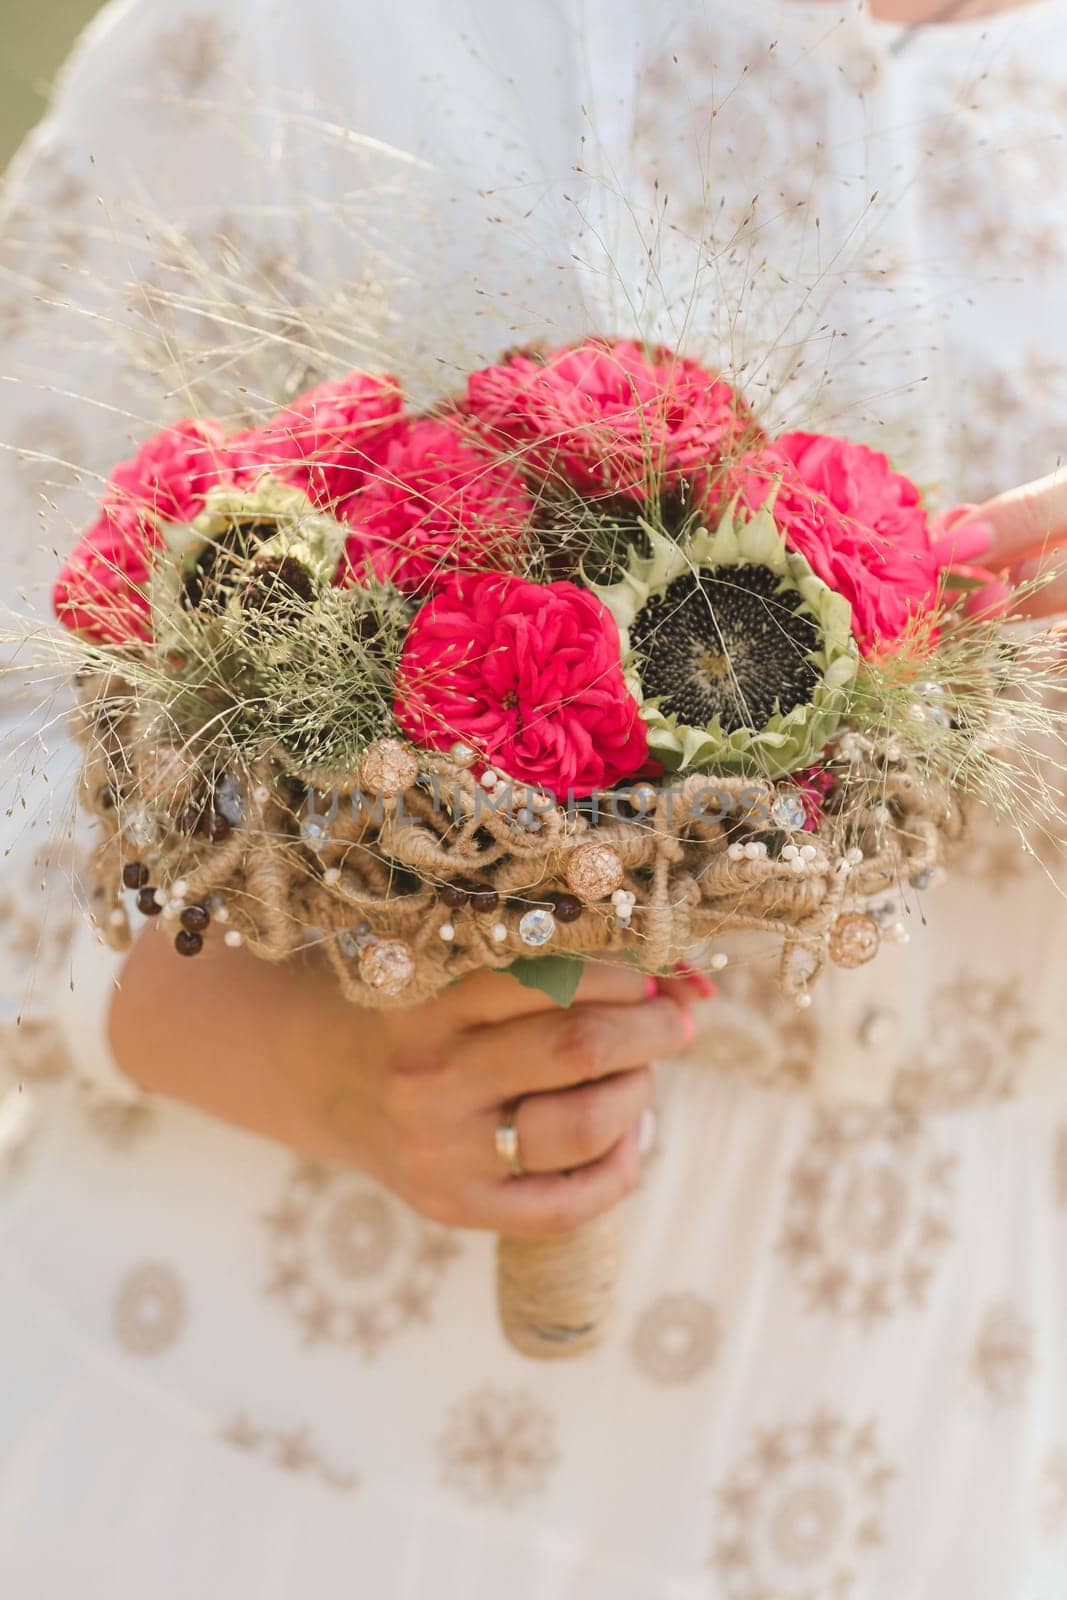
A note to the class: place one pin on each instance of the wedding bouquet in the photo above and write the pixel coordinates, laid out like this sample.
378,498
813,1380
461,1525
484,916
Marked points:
578,664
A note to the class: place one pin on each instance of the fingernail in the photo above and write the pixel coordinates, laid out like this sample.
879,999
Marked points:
646,1131
702,984
651,988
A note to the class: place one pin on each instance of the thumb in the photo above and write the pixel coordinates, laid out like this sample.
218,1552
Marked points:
1026,520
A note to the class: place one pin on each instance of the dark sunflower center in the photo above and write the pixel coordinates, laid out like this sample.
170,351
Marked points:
223,561
726,645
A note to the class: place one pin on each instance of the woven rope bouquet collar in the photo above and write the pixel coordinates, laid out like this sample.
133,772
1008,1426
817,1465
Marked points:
582,666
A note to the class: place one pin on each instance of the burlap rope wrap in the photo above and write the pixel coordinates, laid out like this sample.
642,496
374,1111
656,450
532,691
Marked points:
406,824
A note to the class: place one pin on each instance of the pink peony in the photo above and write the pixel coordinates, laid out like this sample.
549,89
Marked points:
611,418
435,503
101,590
529,675
860,525
325,440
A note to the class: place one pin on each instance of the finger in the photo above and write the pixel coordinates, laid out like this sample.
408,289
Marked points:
487,997
559,1049
688,985
571,1127
1026,520
543,1205
1050,599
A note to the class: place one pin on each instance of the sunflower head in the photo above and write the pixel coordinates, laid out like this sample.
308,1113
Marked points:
740,656
246,543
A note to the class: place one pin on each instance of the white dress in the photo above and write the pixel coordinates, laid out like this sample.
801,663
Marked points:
839,1369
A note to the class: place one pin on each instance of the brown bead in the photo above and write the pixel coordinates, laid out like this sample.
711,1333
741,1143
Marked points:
455,895
105,797
134,875
195,918
147,903
484,899
216,827
567,907
188,944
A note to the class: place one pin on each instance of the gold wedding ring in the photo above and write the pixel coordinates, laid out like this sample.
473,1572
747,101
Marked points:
506,1140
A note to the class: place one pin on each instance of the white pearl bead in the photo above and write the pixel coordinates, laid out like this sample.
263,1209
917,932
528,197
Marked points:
803,1001
261,794
754,850
446,932
232,938
790,852
180,887
488,779
808,852
719,960
499,930
854,856
332,875
221,913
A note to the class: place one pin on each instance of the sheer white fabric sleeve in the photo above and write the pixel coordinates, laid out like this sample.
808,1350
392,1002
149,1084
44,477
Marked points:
198,170
125,141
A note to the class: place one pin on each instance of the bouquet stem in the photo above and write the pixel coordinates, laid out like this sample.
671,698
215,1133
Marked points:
556,1296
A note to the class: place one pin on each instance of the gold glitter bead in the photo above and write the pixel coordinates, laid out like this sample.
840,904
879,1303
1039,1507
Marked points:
387,767
854,939
594,871
387,965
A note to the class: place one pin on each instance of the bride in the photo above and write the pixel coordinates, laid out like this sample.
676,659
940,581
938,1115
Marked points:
248,1337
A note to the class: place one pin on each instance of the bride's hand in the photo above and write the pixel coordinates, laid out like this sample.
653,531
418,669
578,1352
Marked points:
413,1097
1029,528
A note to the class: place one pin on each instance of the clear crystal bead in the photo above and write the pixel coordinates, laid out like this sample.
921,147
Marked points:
537,927
230,799
315,831
788,812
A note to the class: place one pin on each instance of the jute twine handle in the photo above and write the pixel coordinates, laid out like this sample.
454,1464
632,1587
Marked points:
556,1297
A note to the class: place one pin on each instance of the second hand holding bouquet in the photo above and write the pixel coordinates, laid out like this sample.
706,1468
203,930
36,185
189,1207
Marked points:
579,664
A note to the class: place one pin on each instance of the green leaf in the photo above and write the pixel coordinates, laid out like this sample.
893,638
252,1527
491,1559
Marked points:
556,976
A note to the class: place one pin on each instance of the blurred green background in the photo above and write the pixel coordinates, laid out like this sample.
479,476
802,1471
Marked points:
35,37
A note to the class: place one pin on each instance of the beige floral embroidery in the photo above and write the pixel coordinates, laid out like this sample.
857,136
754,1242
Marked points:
868,1214
191,53
38,913
1002,1360
498,1446
150,1309
350,1264
976,1041
1051,1509
676,1339
751,1028
40,243
33,1049
291,1449
121,1124
801,1511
